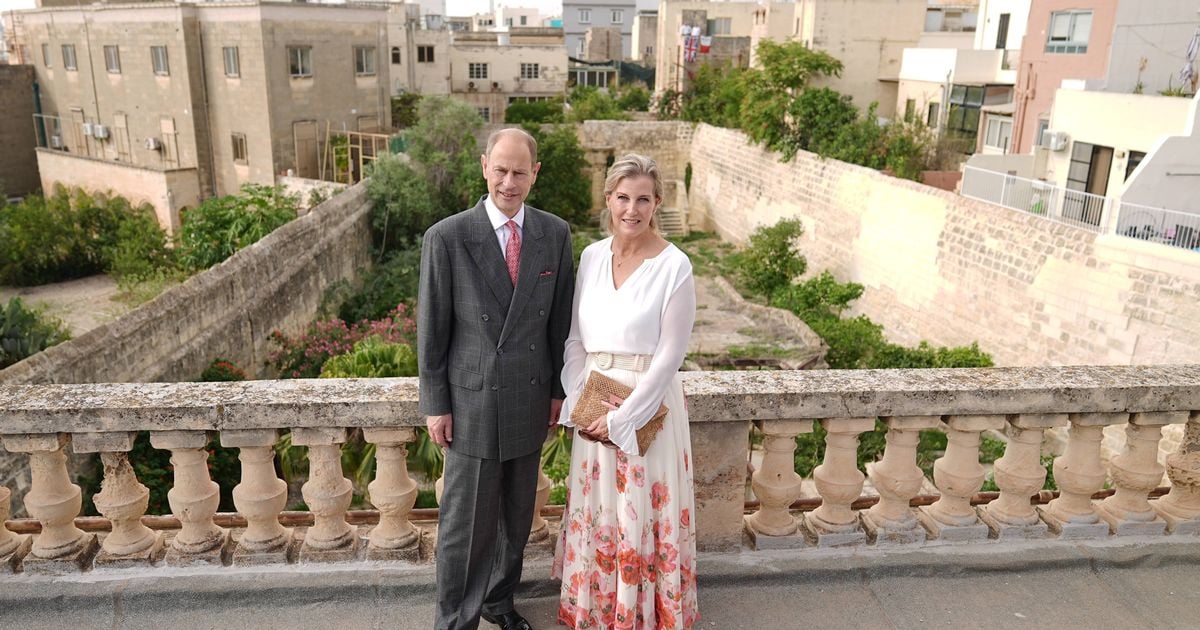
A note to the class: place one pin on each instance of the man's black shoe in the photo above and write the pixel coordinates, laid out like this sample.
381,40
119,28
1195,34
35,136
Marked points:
508,621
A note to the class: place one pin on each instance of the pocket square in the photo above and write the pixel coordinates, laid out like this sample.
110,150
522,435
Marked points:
545,273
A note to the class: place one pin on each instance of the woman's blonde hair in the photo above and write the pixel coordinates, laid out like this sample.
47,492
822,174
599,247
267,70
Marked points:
632,165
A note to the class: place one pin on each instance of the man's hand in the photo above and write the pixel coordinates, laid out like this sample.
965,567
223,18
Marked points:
555,410
440,429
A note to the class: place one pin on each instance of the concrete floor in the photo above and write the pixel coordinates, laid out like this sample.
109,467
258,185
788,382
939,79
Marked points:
1129,583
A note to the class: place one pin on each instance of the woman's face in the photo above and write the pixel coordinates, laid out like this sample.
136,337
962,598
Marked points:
632,203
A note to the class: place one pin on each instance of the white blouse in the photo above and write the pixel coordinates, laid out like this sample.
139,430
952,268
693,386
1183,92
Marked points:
652,313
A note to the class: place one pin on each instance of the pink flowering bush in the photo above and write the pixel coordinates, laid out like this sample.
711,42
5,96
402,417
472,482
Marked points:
303,356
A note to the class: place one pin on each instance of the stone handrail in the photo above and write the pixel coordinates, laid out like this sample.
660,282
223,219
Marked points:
44,420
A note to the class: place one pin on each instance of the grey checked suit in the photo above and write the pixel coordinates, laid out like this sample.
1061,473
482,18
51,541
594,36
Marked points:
490,354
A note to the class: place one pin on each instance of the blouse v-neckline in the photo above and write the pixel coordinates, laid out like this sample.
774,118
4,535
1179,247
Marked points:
612,279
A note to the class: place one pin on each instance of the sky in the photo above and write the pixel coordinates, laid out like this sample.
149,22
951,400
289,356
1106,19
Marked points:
453,7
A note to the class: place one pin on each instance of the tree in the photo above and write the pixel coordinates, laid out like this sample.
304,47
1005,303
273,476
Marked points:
444,150
404,110
221,226
589,103
547,111
633,96
403,203
562,186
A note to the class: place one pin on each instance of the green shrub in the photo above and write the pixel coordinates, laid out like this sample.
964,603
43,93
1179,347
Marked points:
221,370
589,103
384,287
141,248
304,356
373,358
404,110
562,187
221,226
771,260
25,332
633,97
402,203
535,112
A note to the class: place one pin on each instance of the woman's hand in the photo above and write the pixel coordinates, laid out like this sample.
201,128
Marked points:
598,430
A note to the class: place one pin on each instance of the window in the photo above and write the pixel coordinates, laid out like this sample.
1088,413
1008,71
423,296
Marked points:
508,22
999,133
649,51
158,58
965,101
1002,32
300,61
585,16
233,65
931,119
46,55
1135,158
395,54
364,61
112,59
424,54
618,16
68,53
720,26
477,71
485,113
529,71
1039,137
1069,31
239,149
524,20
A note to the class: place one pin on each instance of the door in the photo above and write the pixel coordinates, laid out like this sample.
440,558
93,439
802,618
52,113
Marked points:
1087,182
1002,32
304,137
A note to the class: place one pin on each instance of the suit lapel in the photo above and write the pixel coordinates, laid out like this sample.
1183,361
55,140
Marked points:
485,251
533,252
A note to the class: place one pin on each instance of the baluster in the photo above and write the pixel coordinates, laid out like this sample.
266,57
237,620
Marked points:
260,496
393,493
1135,473
122,500
776,485
958,475
328,494
1079,473
898,479
13,547
193,499
1020,475
55,502
839,482
1181,507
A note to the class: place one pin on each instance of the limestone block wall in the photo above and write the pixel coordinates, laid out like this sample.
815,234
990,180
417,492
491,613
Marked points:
952,270
667,142
227,311
18,164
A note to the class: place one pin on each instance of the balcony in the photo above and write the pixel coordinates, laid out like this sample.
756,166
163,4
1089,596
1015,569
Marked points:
957,66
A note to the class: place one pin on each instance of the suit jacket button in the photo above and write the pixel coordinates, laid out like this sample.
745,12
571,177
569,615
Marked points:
541,312
485,317
495,387
533,381
532,346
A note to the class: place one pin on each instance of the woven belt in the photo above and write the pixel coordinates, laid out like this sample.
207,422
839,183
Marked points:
633,362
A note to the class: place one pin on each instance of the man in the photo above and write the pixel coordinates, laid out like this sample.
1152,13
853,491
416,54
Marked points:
493,314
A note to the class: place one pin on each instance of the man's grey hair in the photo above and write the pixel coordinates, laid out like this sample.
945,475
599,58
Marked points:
512,131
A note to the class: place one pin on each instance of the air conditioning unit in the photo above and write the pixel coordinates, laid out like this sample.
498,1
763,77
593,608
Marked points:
495,86
100,132
1055,140
153,144
470,86
87,129
56,142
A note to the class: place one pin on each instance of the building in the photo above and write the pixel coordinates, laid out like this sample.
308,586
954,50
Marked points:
957,75
491,70
603,43
581,15
419,52
867,37
517,16
173,103
18,159
645,30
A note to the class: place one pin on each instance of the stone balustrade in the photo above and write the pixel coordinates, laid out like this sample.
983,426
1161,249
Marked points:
43,421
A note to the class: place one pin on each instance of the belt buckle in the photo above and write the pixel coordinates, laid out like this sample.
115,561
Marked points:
604,360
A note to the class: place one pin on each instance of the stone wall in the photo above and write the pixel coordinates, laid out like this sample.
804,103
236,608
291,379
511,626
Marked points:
952,270
666,142
227,311
18,166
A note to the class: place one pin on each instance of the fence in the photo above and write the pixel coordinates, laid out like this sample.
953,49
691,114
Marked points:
1083,210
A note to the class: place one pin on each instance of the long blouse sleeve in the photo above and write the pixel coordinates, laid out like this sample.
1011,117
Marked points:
574,356
678,317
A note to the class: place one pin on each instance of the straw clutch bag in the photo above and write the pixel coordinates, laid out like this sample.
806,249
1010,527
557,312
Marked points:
597,389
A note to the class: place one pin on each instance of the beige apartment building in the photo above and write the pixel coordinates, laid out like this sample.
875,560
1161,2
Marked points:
419,52
491,70
171,103
867,36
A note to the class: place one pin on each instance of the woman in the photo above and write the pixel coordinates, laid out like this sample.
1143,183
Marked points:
627,551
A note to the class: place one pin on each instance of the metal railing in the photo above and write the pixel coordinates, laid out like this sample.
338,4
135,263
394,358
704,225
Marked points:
1159,225
1063,205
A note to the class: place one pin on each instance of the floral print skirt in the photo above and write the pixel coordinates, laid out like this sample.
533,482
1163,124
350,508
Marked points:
627,550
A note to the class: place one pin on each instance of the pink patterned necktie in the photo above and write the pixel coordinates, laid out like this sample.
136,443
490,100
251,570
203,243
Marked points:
512,251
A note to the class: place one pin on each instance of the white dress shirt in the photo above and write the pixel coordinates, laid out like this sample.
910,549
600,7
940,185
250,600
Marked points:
499,219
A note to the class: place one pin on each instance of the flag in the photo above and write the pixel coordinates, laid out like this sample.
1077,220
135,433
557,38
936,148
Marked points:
690,46
705,44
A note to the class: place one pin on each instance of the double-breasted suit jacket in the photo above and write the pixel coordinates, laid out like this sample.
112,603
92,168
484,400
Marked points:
488,352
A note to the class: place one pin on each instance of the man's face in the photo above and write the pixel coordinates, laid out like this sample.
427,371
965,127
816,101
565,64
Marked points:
510,173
